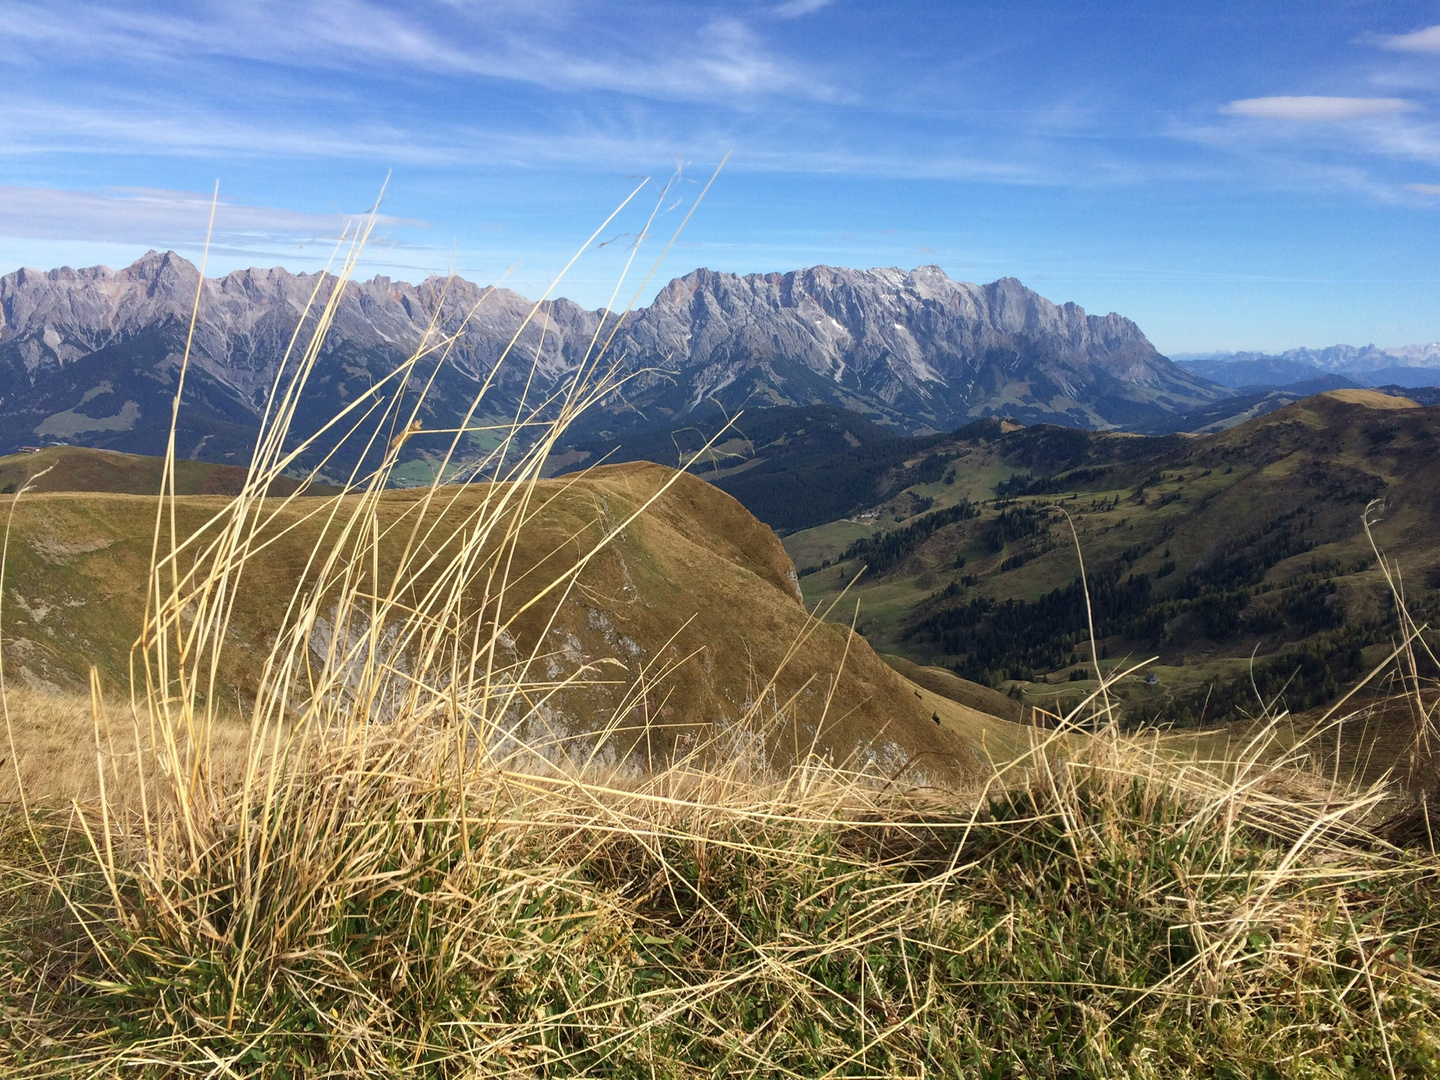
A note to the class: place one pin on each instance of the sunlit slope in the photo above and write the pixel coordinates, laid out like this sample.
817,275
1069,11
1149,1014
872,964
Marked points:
694,603
1373,399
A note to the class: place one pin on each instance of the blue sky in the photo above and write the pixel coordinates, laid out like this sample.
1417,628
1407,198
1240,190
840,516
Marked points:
1230,175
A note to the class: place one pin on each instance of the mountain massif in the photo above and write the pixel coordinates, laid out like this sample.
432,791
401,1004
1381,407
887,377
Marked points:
915,349
92,356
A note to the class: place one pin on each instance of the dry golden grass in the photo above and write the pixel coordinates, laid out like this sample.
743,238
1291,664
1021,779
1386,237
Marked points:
57,744
1109,911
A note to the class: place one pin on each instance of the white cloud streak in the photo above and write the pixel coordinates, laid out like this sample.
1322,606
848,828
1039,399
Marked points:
450,85
795,9
301,81
1318,109
160,218
32,128
1419,41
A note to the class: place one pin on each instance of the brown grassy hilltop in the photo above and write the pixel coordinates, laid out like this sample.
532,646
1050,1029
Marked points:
1238,560
696,598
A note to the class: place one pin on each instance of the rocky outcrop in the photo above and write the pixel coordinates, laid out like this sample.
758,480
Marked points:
247,319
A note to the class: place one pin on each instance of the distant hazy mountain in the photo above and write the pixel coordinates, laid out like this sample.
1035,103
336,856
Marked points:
1251,369
1368,365
92,356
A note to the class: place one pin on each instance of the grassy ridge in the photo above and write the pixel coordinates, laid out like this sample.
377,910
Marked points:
696,597
77,468
793,467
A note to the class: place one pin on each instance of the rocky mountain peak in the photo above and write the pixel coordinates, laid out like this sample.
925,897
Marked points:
162,273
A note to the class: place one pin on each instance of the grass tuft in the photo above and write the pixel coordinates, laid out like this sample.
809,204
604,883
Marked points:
1112,916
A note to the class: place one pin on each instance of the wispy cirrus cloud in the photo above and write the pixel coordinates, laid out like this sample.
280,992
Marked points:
488,85
1318,109
1364,143
163,218
718,55
1365,146
32,128
794,9
145,124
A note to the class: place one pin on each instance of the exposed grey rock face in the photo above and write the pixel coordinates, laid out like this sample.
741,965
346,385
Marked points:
93,355
917,348
248,318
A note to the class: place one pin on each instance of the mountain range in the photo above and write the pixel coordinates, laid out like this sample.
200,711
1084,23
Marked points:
1366,365
92,356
